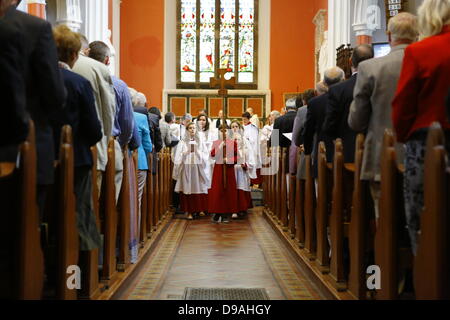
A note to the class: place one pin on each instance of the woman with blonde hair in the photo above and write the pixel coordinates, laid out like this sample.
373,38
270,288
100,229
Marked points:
420,101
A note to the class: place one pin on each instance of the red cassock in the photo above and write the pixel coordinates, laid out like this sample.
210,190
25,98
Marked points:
193,203
244,200
222,200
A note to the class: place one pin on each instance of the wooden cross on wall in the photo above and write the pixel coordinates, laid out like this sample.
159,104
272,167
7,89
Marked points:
223,92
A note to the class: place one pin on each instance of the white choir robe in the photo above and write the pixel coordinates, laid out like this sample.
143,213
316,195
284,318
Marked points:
207,138
190,168
251,133
246,155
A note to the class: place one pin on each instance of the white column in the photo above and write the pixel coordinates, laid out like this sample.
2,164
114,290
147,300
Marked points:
97,15
264,46
366,17
96,20
116,33
338,27
68,12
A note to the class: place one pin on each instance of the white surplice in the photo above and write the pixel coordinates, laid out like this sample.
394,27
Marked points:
190,168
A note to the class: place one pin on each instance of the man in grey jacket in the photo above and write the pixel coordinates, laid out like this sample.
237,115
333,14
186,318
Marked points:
373,95
99,76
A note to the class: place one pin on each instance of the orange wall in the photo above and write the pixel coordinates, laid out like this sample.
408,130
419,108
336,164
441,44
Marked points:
292,48
142,47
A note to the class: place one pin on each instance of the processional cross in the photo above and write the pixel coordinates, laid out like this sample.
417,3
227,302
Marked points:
223,92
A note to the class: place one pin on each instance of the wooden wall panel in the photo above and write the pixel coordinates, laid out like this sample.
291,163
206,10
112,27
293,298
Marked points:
178,106
257,104
215,105
196,104
235,107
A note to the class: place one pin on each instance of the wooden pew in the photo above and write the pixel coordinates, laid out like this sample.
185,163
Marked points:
310,227
300,210
18,185
432,263
342,187
325,182
157,185
108,209
359,229
277,186
144,211
150,197
283,190
66,233
292,201
124,214
388,253
90,288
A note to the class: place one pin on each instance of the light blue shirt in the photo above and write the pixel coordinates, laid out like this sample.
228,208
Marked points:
146,145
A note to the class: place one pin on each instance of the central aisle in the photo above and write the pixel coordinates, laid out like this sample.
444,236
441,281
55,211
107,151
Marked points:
241,254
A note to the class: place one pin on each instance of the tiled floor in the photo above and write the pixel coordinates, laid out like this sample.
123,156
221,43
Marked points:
241,254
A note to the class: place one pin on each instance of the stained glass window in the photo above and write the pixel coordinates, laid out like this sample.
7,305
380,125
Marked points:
215,34
188,40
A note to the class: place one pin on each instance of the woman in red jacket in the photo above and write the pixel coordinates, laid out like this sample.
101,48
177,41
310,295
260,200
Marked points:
420,101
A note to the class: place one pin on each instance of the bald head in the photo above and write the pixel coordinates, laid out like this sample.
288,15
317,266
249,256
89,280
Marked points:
361,53
333,75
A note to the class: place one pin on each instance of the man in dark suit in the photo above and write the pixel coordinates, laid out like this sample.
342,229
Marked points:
340,98
14,120
285,124
45,93
315,116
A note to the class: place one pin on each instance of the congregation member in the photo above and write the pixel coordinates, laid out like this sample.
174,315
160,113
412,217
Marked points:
141,123
190,172
28,53
169,119
284,124
222,201
302,105
39,65
340,97
420,100
313,132
123,119
81,115
374,91
14,121
99,76
164,127
244,170
321,88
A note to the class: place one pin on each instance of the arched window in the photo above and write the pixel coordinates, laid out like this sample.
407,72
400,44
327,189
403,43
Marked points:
215,34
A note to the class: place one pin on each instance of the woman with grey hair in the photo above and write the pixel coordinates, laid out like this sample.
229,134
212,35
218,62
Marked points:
420,101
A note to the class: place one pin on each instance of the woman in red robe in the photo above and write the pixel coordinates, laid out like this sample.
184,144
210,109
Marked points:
223,201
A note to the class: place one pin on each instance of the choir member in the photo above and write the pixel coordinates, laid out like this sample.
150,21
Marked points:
223,201
190,172
244,170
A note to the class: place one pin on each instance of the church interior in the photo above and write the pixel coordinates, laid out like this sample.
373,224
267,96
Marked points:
349,204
